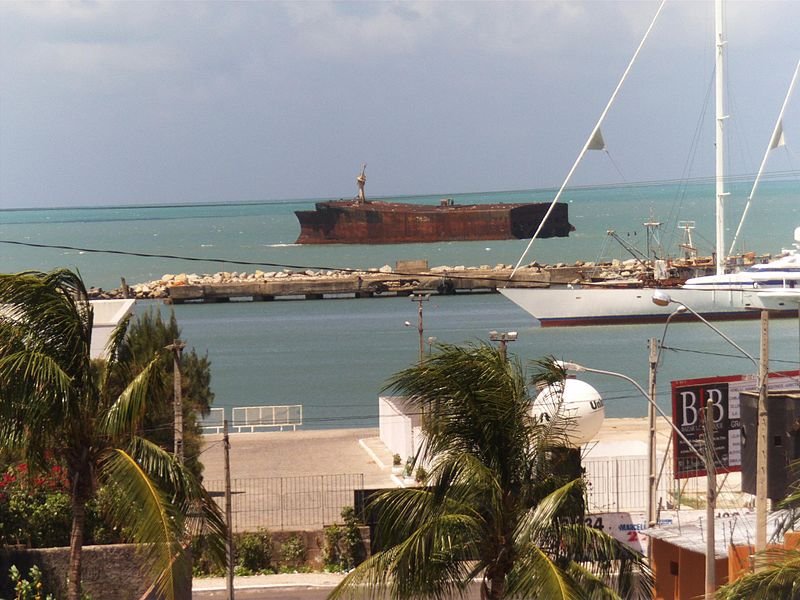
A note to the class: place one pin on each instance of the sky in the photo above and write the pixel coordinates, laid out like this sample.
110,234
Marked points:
112,103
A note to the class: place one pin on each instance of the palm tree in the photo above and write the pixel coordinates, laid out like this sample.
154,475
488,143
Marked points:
55,399
494,508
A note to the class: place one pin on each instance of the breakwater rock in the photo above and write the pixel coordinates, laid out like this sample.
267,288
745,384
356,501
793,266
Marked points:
405,277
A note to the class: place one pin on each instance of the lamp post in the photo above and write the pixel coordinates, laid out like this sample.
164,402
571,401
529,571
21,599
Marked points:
431,341
504,337
661,298
711,476
419,298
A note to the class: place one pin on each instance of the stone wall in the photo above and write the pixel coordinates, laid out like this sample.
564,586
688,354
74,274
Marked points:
112,572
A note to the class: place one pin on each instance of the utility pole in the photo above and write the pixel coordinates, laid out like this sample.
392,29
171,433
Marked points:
711,503
228,520
651,442
762,439
177,347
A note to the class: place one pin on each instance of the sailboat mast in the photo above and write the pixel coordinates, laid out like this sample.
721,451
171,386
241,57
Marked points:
720,136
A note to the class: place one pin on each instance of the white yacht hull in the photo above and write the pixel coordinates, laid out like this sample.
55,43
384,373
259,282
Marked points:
560,307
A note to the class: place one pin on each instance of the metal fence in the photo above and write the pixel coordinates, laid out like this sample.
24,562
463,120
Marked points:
617,484
621,485
306,502
247,419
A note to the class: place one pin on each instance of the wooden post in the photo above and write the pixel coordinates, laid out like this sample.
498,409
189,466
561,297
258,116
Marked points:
711,503
228,520
762,439
176,347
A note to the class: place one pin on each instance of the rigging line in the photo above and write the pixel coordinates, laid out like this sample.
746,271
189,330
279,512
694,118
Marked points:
594,137
774,141
690,160
444,274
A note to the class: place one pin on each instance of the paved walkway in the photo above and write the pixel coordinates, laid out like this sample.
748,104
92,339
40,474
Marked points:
279,580
297,453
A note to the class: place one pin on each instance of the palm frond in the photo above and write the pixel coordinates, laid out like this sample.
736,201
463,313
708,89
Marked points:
115,345
424,565
473,401
599,557
53,309
537,575
777,576
128,411
149,516
198,511
542,519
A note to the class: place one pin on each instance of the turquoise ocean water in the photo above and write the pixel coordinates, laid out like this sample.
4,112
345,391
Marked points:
334,356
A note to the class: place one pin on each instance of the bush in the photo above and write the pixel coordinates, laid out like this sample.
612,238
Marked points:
344,548
293,551
254,551
28,589
37,512
421,476
203,562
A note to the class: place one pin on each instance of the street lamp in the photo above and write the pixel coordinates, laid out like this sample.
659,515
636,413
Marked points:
661,298
504,337
419,298
431,341
706,460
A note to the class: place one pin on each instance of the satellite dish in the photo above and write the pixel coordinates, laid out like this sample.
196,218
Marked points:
577,403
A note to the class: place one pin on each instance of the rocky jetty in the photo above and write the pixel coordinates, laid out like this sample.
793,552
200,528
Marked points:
385,278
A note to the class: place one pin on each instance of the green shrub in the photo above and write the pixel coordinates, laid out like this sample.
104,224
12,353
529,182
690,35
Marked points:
344,548
204,564
293,551
421,475
31,588
254,551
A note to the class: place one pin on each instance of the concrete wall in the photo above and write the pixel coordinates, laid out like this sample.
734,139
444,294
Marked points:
112,572
396,427
680,574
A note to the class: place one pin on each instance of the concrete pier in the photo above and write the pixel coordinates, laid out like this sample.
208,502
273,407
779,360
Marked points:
361,285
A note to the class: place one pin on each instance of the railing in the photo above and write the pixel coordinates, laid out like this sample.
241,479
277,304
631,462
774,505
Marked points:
306,502
261,418
213,422
247,419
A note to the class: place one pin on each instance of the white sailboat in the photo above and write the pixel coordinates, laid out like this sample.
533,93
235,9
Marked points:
719,296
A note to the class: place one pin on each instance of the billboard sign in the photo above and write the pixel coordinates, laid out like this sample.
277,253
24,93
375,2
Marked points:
689,399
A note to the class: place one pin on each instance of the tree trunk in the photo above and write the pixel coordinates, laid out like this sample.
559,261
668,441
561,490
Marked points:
76,547
497,587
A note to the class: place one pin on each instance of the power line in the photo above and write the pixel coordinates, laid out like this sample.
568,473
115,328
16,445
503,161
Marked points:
249,263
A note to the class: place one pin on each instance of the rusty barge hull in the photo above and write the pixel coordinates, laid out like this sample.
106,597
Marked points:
378,222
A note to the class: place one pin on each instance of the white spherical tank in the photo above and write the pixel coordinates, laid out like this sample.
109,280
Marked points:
577,403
